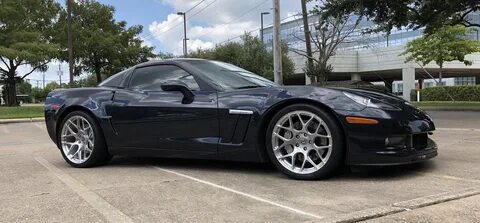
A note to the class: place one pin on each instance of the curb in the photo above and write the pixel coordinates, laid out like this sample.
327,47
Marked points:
449,109
21,120
363,215
402,206
436,199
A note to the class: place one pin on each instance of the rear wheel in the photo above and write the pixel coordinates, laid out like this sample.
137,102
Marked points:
305,142
81,142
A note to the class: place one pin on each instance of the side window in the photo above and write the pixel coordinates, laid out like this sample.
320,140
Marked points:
151,77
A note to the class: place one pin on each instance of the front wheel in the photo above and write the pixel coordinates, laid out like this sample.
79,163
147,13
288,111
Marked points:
81,142
305,142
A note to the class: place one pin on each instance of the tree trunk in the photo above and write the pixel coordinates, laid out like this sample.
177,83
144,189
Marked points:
11,91
389,85
98,74
440,77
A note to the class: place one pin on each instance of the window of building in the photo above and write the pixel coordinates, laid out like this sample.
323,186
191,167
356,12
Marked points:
151,78
465,81
428,84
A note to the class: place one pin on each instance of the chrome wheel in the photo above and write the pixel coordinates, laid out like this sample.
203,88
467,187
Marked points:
77,139
301,142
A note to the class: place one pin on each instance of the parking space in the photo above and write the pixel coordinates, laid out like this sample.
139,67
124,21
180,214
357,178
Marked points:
37,185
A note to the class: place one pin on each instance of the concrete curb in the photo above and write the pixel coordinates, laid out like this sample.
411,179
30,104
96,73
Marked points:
21,120
401,206
363,215
436,199
449,109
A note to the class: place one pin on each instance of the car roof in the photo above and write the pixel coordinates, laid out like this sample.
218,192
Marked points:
170,60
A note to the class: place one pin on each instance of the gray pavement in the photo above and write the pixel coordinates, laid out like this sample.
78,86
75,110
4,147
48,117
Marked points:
36,185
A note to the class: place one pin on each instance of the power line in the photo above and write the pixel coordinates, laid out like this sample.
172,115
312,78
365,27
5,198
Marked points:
232,20
209,4
236,19
154,34
200,2
253,30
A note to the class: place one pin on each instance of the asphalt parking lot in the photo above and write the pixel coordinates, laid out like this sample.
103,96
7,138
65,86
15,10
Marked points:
36,185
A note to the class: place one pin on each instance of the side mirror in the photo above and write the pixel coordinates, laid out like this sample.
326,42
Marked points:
174,85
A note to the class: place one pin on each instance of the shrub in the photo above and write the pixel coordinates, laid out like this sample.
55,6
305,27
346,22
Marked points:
458,93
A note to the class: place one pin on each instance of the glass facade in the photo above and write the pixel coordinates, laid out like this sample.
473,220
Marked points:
292,34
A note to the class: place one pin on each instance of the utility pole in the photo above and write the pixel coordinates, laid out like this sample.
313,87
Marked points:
308,45
185,52
43,73
277,46
70,41
261,25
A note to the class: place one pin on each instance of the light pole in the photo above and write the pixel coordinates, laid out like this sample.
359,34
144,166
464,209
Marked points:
70,41
261,26
60,73
277,49
184,33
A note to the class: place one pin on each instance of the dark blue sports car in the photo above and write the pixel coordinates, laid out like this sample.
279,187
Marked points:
204,109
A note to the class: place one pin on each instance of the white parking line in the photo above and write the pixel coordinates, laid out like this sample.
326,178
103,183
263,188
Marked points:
110,213
40,126
458,129
241,193
448,177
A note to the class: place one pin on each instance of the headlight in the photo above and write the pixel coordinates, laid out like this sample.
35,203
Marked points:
367,102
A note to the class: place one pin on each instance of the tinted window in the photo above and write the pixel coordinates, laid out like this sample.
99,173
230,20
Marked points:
229,76
151,77
115,80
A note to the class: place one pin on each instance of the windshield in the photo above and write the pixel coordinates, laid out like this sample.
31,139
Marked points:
229,76
115,80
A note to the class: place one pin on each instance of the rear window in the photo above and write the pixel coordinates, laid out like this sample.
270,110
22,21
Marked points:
115,80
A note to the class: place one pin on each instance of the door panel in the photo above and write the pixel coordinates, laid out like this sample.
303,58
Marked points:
158,120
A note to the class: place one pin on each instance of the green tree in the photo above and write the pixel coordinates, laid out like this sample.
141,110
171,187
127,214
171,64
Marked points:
445,44
89,81
38,94
249,54
25,40
101,45
51,86
389,14
23,87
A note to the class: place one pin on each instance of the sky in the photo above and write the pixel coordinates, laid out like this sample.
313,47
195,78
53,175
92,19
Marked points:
209,23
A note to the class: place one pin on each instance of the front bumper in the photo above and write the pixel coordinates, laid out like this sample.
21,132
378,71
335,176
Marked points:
400,137
396,157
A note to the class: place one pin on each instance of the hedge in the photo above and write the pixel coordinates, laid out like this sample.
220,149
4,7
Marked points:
458,93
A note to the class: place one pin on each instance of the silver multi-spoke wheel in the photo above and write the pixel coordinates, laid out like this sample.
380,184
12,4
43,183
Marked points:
77,139
301,142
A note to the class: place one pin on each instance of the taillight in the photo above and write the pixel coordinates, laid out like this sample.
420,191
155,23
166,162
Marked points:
55,106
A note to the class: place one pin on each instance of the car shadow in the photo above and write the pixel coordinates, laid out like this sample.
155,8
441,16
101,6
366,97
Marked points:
345,173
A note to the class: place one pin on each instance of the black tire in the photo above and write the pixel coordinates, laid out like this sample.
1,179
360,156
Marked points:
336,159
99,155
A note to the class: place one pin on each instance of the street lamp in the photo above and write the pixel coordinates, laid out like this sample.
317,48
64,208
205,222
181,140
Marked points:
261,27
184,33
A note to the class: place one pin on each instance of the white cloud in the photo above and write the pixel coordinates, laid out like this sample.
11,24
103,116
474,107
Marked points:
222,20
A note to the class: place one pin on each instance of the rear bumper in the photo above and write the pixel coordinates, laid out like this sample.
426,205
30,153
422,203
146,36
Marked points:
50,121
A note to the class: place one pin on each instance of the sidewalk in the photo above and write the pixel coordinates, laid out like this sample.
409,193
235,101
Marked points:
19,120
